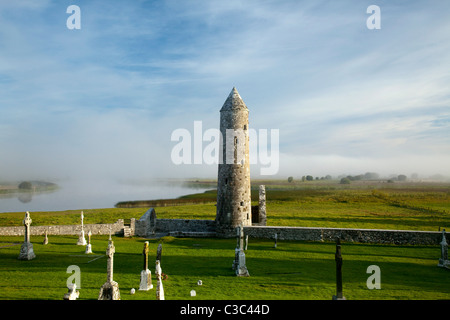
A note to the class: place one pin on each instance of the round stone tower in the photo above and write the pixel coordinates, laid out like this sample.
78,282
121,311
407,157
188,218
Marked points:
233,181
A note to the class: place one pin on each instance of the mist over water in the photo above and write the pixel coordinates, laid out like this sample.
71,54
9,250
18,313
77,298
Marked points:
74,195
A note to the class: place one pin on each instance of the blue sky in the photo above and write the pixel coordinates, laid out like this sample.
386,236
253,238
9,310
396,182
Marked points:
103,101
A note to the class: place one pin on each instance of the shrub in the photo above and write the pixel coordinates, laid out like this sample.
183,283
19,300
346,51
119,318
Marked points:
345,181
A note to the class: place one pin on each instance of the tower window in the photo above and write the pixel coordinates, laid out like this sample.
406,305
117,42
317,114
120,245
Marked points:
242,203
245,127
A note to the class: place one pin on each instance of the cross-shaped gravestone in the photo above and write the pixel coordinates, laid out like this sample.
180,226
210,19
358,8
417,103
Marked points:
146,275
27,223
26,250
81,238
89,246
110,290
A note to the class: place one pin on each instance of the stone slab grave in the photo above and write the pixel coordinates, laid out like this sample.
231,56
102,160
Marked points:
443,261
338,258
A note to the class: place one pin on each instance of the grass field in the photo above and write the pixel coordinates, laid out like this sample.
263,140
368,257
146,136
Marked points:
294,270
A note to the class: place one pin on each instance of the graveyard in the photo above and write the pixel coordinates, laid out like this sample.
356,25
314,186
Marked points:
277,269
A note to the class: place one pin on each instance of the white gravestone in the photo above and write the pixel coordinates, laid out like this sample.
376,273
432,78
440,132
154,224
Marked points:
146,274
26,250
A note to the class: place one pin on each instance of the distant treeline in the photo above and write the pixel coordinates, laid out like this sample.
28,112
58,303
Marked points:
27,186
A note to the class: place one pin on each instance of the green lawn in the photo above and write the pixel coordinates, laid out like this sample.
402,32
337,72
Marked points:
293,270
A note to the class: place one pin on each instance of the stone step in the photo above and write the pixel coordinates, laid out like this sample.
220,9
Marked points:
126,231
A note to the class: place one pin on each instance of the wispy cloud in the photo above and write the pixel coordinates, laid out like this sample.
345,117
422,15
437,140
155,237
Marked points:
105,99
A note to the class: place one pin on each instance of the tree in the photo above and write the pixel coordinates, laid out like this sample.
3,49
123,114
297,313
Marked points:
401,177
345,181
290,179
309,178
25,185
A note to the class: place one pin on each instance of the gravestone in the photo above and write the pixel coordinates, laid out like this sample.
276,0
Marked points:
262,205
45,238
443,261
236,250
275,240
146,275
73,293
88,246
159,252
110,289
338,259
26,250
241,270
81,238
159,285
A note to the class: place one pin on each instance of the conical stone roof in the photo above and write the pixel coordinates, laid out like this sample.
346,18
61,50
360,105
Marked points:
234,101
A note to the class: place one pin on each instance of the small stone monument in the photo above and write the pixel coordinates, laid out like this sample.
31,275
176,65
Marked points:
110,289
73,293
26,250
275,239
338,259
159,252
236,250
45,238
241,270
146,274
81,239
262,205
159,285
443,261
88,246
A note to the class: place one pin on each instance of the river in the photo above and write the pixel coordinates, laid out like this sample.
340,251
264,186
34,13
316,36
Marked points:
92,195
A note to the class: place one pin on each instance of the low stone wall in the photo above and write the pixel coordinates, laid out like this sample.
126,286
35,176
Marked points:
185,225
104,228
399,237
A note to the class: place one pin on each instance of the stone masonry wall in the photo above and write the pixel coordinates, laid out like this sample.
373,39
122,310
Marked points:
399,237
185,225
104,228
